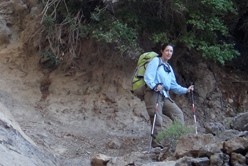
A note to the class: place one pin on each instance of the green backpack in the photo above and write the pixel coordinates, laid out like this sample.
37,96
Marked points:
138,82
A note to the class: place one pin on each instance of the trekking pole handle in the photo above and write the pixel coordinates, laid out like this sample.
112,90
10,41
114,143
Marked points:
191,91
156,87
191,84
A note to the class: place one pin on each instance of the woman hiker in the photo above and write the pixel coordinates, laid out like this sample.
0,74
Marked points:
160,78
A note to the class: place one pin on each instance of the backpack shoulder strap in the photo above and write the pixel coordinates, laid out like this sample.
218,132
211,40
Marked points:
160,62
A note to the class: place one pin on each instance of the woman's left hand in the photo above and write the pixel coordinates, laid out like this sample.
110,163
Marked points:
190,88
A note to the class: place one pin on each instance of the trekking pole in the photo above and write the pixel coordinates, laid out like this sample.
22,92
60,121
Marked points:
193,106
154,121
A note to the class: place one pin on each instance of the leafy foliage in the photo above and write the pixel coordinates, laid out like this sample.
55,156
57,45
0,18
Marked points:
48,60
227,123
193,24
67,23
118,33
219,52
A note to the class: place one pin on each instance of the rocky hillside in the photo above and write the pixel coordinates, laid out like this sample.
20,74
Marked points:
85,114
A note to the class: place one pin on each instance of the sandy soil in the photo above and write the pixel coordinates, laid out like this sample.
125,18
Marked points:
65,119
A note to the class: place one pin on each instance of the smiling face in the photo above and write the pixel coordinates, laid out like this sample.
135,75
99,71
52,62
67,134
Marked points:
167,53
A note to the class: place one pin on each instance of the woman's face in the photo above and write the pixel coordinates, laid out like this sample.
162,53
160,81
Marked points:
167,53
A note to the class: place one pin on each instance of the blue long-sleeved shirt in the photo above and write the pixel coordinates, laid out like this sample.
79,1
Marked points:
154,75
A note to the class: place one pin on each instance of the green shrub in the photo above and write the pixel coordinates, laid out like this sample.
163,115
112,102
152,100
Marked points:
172,134
49,60
227,122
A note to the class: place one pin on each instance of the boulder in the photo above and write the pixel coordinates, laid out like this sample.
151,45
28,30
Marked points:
100,160
240,122
219,159
210,149
238,144
214,128
189,161
191,145
228,134
238,159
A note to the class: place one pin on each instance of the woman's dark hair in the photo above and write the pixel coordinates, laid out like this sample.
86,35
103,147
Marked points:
163,47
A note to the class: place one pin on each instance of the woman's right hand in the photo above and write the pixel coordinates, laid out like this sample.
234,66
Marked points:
159,88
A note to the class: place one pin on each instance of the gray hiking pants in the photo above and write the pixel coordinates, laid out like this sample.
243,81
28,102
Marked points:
166,106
